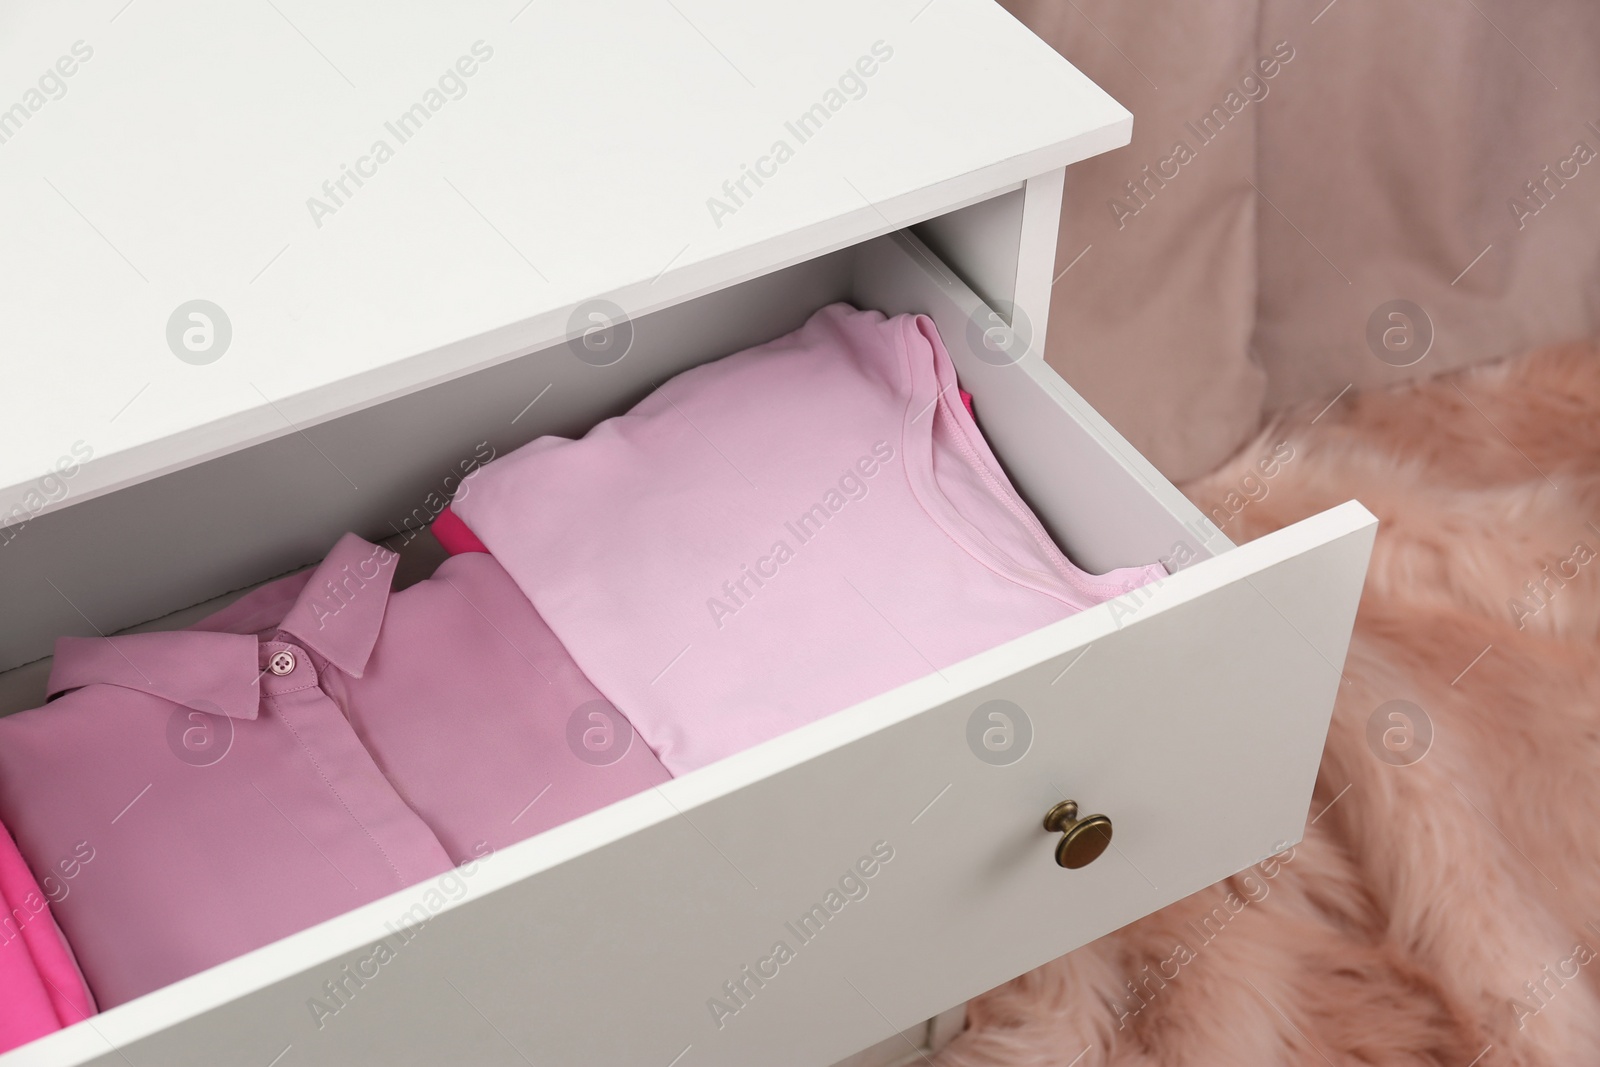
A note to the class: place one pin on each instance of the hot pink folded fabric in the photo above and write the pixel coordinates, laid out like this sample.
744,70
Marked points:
41,988
453,535
771,537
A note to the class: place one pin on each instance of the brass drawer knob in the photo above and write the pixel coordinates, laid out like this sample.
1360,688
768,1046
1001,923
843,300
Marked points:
1082,840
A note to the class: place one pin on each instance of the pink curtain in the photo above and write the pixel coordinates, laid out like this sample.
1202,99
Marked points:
1319,196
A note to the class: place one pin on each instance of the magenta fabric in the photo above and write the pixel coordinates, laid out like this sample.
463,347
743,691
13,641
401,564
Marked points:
41,988
774,536
224,805
453,534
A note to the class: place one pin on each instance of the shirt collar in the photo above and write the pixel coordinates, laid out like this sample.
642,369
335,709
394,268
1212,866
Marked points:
337,614
340,610
204,671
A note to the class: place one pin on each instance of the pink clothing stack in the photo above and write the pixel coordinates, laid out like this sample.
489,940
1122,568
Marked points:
41,989
317,745
764,540
777,535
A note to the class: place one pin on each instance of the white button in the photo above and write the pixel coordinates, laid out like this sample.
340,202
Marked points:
281,663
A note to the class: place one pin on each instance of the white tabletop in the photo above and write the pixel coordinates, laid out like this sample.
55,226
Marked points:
177,160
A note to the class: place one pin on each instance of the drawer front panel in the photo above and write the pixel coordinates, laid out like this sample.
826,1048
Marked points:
1193,714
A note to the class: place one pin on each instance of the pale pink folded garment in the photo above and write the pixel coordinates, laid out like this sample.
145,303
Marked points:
41,989
465,701
214,793
316,745
776,535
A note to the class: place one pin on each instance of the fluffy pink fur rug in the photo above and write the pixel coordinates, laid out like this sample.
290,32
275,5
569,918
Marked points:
1443,909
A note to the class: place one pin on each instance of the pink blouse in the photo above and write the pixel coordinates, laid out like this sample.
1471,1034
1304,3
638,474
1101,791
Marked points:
320,743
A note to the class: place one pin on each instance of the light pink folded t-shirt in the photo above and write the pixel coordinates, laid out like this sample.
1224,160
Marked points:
776,535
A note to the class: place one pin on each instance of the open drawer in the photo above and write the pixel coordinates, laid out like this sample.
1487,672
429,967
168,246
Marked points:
895,850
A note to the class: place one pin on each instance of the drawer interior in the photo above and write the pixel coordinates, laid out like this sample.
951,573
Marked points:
136,555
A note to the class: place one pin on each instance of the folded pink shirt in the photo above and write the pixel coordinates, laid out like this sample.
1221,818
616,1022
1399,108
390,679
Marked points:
776,535
467,702
226,800
316,745
41,988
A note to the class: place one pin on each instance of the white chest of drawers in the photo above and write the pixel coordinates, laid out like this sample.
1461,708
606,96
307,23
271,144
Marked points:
399,222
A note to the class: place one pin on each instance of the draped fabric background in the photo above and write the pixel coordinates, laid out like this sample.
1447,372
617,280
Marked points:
1298,166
